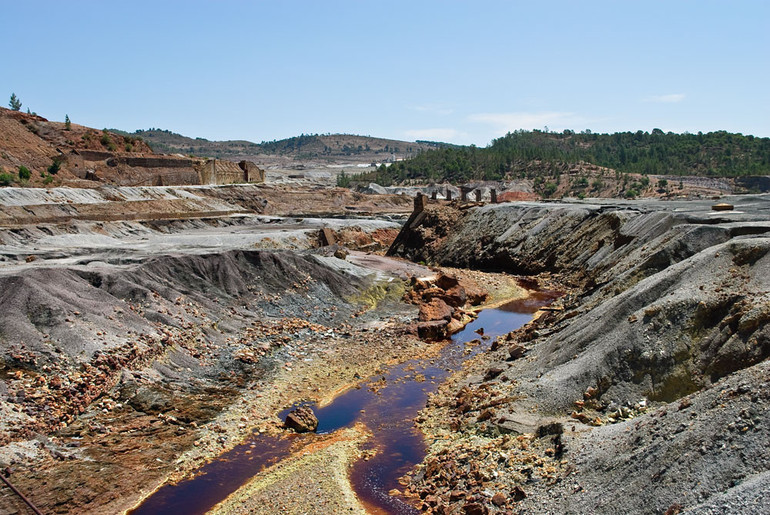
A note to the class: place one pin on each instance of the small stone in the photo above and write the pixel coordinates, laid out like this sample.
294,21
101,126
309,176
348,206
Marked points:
516,351
518,493
498,499
475,508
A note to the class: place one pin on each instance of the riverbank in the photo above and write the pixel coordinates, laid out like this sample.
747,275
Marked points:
333,369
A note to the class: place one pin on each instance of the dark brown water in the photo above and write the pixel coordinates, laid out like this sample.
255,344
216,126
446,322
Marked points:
388,412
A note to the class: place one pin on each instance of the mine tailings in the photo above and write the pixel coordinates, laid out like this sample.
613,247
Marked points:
386,404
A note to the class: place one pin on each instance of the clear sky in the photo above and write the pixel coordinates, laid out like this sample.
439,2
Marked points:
456,71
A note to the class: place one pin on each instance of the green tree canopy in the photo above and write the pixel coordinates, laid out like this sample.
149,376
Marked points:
15,103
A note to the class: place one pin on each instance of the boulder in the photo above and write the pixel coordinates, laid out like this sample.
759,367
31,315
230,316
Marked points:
455,296
436,309
432,330
446,282
302,420
492,373
455,326
474,294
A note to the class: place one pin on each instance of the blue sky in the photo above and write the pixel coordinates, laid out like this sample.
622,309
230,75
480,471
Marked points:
457,71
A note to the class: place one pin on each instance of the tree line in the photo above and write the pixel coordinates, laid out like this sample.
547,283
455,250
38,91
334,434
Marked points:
535,153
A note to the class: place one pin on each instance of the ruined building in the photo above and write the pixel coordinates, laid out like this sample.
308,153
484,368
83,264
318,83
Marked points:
133,169
216,171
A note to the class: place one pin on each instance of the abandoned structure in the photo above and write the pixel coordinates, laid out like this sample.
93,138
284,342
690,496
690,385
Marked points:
159,170
216,171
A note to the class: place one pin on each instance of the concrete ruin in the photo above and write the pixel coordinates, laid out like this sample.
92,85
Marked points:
217,171
132,169
160,170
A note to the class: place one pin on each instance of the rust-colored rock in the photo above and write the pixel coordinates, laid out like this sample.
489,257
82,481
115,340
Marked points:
455,296
436,309
432,330
327,237
302,420
454,326
474,294
446,282
475,508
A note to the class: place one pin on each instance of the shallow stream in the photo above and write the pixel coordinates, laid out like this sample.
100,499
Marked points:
387,404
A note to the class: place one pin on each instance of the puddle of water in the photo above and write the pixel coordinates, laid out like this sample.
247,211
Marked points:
387,405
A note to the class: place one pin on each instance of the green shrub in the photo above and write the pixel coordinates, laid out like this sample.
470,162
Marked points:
55,166
106,141
549,189
6,179
48,179
24,173
632,193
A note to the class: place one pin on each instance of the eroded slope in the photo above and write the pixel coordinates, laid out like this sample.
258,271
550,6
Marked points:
668,309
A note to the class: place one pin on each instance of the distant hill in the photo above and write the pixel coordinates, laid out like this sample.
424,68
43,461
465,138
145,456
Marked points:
525,154
328,147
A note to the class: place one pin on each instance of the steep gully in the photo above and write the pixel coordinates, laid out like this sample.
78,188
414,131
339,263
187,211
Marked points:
388,411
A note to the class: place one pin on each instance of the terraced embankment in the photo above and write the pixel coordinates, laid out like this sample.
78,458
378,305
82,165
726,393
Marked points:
646,390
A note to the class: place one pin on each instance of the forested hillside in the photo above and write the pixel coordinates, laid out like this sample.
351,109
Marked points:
712,154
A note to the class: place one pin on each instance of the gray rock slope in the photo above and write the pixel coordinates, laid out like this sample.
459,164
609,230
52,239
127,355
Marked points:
670,311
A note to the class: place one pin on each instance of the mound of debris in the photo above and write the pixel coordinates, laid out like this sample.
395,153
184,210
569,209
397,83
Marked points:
444,302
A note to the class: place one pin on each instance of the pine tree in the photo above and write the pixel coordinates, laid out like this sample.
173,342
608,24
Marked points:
67,123
15,103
